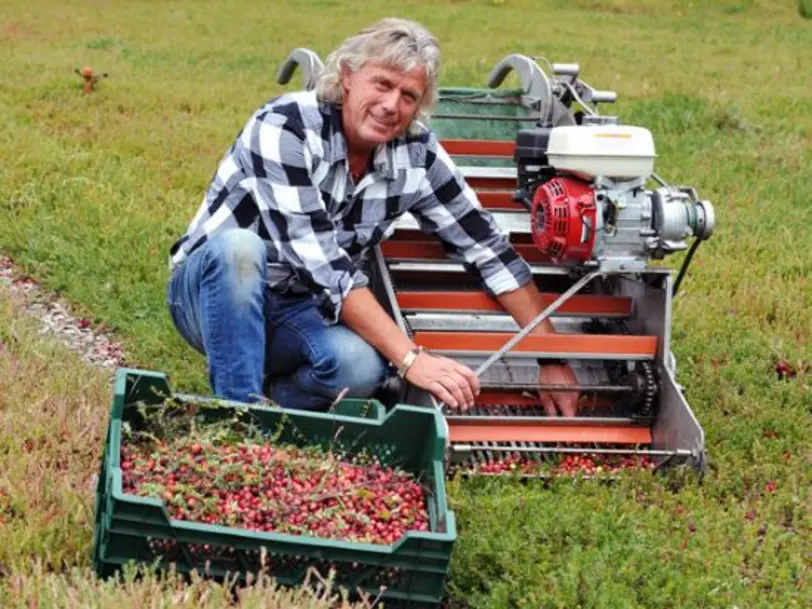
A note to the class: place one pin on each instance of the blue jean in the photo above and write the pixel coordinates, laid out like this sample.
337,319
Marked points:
220,304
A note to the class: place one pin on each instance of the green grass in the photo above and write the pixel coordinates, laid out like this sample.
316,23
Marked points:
94,189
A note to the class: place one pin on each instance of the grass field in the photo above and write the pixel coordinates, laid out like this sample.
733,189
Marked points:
95,188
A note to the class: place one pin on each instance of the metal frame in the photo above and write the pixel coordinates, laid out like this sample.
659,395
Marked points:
674,436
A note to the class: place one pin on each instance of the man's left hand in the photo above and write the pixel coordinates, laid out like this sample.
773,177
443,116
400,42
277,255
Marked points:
565,402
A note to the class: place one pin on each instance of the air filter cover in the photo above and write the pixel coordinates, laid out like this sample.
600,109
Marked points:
612,151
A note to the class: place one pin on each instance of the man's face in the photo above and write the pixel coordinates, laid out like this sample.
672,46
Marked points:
379,103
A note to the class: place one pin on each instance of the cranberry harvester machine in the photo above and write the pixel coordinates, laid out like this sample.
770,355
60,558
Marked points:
576,192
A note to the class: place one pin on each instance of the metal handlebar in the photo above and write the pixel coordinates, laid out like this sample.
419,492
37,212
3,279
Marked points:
308,60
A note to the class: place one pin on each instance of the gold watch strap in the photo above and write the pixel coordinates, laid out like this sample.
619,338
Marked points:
408,360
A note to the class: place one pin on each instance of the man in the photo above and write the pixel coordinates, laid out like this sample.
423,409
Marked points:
268,282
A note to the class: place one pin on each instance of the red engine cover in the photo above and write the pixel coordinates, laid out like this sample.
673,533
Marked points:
562,219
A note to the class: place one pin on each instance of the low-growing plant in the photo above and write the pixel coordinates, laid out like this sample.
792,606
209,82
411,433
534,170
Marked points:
139,586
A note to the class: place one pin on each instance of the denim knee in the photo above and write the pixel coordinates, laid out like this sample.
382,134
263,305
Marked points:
241,255
357,365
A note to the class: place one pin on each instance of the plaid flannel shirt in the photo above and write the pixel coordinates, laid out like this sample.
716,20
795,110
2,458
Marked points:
287,177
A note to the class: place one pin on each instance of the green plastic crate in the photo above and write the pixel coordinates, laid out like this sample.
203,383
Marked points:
132,528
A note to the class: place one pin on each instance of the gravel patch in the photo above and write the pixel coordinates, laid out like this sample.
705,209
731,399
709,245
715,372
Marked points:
95,346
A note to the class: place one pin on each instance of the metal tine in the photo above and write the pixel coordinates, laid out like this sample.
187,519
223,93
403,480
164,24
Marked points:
512,410
476,447
484,455
532,411
599,451
515,445
484,411
502,410
474,460
488,455
518,412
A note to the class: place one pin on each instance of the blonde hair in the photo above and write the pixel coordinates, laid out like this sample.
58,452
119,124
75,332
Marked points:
395,43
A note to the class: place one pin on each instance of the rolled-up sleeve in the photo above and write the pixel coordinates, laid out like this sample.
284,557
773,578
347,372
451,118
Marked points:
447,207
291,207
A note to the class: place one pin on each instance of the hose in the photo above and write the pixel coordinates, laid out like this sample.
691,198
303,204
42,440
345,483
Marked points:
684,268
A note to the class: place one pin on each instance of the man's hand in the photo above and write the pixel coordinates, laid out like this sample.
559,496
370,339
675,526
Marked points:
554,401
449,381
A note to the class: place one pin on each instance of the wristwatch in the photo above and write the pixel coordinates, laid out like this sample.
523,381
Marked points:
408,360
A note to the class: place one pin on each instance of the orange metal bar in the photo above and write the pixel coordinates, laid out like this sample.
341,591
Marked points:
432,250
479,147
583,304
620,344
416,250
493,199
492,183
486,432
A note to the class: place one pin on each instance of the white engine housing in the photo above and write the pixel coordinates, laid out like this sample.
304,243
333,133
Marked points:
618,152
